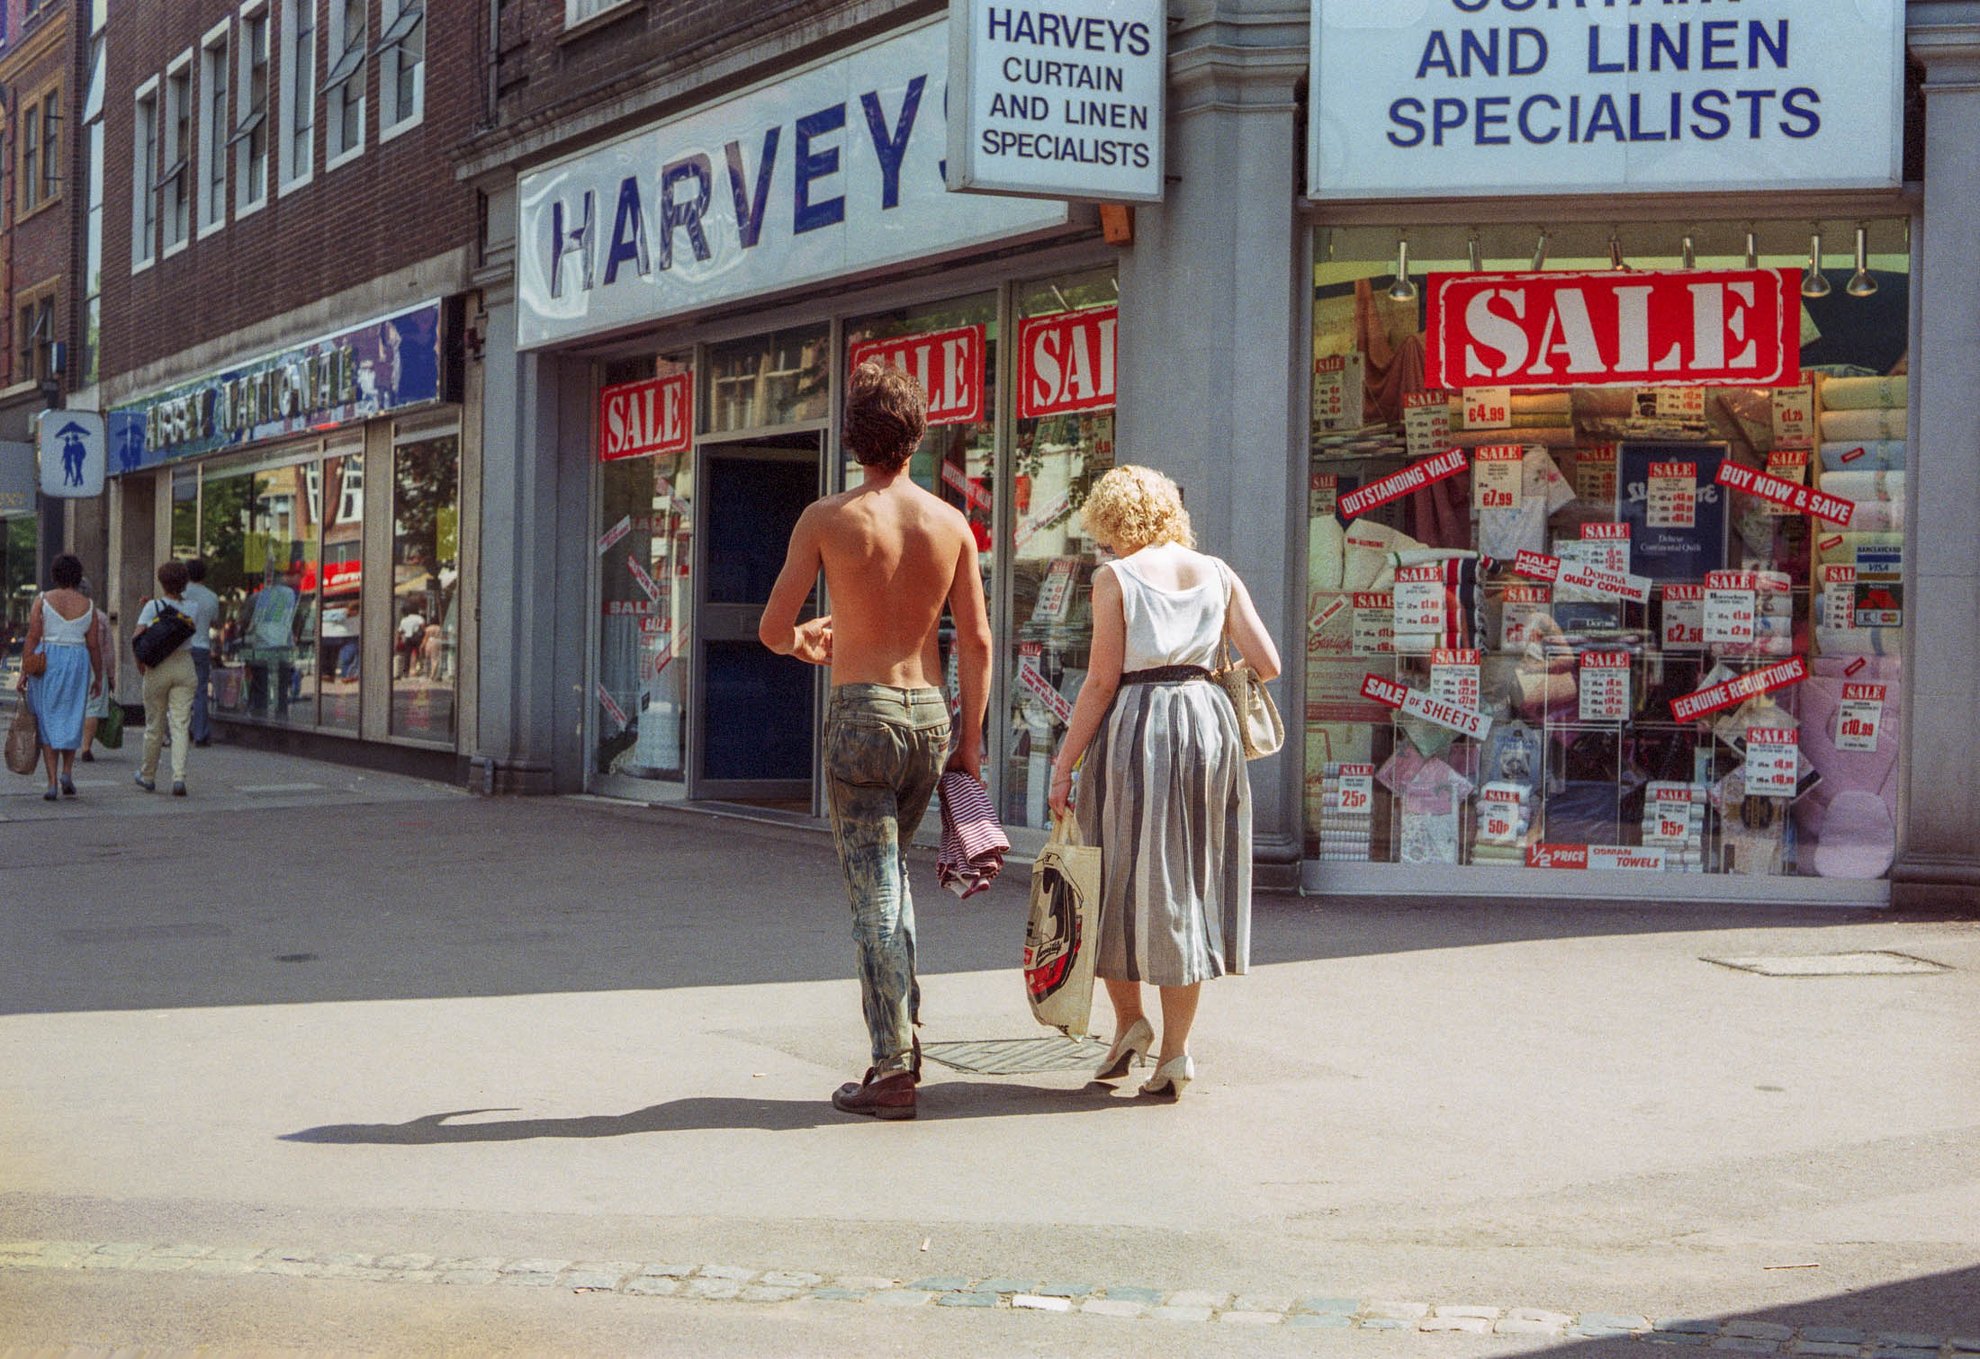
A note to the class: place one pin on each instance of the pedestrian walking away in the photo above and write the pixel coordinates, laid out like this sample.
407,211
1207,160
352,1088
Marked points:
168,685
1163,789
63,655
203,606
893,556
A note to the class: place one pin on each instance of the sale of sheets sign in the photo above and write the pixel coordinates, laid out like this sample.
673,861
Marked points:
1690,328
1428,98
947,363
1058,101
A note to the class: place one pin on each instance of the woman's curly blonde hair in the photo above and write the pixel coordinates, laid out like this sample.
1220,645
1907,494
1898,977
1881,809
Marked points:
1135,507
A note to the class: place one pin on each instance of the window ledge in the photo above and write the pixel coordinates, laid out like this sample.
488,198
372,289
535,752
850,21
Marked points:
44,205
401,128
251,209
602,19
343,158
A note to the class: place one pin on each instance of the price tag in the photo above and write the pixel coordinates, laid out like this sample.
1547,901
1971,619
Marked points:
1669,817
1520,619
1861,717
1427,422
1773,761
1488,408
1789,465
1595,475
1374,623
1673,495
1604,686
1454,676
1498,819
1323,494
1337,391
1419,607
1839,596
1794,417
1730,617
1498,477
1055,592
1357,789
1672,403
1684,617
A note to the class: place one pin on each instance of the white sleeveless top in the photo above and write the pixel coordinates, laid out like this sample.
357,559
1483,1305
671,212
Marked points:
59,631
1172,627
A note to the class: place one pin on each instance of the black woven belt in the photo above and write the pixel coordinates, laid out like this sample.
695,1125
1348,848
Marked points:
1166,674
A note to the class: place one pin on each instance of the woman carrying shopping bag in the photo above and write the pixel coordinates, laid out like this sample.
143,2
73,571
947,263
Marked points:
1163,791
63,654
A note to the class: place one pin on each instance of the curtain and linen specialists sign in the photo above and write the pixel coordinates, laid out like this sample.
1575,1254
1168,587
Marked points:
1060,100
832,170
1432,98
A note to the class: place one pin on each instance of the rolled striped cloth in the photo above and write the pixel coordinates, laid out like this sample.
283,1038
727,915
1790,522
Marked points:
973,840
1867,455
1865,393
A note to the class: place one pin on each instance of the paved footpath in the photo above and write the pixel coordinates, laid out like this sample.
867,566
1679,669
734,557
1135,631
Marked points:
365,1065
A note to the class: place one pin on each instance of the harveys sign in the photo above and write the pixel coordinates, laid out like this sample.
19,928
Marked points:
1696,328
947,363
1066,362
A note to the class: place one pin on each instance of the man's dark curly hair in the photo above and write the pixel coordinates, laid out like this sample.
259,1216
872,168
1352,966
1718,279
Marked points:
886,415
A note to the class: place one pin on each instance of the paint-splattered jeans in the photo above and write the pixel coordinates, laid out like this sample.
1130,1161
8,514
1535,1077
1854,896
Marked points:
884,751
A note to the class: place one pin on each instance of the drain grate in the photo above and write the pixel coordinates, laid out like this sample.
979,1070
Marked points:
1874,963
1017,1056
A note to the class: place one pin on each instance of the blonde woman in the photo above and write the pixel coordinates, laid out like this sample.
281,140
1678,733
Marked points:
1163,790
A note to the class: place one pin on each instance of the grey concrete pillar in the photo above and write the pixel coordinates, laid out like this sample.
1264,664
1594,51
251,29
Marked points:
1940,858
1210,346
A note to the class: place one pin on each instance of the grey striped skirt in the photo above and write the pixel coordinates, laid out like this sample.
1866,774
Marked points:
1165,795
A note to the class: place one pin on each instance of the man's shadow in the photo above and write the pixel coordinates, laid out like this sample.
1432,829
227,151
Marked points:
707,1113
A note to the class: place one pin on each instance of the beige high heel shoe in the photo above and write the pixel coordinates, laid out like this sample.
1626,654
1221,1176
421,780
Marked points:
1170,1078
1135,1043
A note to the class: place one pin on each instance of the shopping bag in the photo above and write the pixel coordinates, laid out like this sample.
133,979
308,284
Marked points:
110,731
1060,938
23,741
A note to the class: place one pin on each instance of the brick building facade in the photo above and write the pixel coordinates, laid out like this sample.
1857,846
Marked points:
41,73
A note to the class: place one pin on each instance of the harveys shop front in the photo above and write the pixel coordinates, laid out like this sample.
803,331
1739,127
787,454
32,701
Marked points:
690,301
1639,463
323,486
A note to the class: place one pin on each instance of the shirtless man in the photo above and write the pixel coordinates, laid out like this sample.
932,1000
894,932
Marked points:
893,556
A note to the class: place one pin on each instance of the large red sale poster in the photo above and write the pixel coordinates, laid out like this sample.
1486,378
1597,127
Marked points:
1066,362
947,363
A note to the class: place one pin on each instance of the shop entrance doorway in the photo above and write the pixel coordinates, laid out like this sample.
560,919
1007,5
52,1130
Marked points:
756,713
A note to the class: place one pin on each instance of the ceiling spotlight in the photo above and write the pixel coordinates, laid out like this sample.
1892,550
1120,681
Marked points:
1616,260
1752,251
1688,255
1540,253
1862,283
1402,290
1814,283
1471,253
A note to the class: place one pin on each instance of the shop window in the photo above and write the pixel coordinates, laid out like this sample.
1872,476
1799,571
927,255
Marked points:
93,214
176,180
344,83
768,380
250,136
340,658
401,66
951,349
425,586
215,126
645,593
1064,440
19,586
185,513
1728,698
261,538
144,176
298,141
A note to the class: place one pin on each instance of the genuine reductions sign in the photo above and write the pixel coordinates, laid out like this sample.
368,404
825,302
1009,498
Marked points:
1696,328
1059,100
1436,98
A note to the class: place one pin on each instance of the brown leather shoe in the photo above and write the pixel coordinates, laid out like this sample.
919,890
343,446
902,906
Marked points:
890,1096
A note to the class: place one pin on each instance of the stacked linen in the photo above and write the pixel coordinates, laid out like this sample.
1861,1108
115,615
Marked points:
1345,832
1878,424
1674,821
1877,495
1858,455
1773,614
1858,411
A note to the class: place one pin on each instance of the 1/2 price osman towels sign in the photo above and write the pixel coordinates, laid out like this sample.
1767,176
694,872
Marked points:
1437,98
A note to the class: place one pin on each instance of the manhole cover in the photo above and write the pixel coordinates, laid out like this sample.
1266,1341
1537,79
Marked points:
1877,963
1018,1056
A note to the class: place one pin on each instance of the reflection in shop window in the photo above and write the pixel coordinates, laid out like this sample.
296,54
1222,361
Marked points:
1064,442
340,653
425,586
768,380
19,537
1593,757
259,534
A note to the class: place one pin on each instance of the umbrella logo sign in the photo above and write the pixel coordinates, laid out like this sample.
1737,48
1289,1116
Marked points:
72,454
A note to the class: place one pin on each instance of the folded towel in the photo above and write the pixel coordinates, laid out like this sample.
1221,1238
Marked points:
1860,641
1841,548
1872,424
1878,516
1864,393
1859,455
1542,403
973,840
1863,486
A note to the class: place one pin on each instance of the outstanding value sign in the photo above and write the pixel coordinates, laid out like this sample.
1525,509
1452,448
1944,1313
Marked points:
831,170
1436,98
1058,101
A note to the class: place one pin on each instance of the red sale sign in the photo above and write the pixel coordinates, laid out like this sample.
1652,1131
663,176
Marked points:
1696,328
947,363
1066,362
637,419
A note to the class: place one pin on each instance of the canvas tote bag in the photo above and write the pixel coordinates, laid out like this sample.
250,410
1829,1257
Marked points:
1060,939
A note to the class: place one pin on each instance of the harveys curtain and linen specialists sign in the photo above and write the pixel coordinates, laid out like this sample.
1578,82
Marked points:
828,171
1437,98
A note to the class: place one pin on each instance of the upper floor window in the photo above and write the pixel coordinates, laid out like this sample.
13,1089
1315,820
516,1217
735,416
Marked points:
215,127
250,138
344,86
584,11
175,182
40,170
34,330
144,176
401,66
29,170
299,91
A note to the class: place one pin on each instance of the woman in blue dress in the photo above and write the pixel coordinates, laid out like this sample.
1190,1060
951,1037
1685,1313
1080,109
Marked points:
62,629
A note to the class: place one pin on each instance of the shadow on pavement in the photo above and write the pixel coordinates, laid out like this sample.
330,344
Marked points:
709,1113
